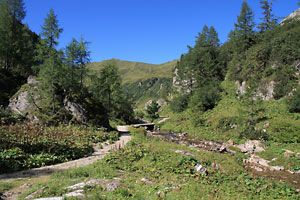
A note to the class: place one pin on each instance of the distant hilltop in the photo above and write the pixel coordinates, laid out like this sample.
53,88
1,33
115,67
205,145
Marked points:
133,71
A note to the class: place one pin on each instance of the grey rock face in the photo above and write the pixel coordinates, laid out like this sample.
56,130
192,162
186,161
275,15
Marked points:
293,15
76,110
241,87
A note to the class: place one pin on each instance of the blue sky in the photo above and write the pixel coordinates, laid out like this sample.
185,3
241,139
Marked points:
152,31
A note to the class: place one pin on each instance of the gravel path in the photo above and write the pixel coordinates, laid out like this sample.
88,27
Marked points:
97,155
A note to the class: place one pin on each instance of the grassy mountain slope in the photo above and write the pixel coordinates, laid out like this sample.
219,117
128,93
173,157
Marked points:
135,71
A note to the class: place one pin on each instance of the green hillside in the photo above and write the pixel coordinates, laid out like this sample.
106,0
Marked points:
134,71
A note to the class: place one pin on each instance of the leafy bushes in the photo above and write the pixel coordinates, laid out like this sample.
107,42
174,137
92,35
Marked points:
294,102
253,134
179,103
205,98
285,131
28,146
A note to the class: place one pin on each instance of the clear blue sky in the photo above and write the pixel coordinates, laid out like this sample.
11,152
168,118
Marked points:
152,31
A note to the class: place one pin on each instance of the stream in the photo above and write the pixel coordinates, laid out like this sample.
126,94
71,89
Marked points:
255,167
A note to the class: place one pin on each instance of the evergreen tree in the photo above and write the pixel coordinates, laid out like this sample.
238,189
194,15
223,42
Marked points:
83,58
14,37
269,20
72,51
152,110
50,70
243,32
106,87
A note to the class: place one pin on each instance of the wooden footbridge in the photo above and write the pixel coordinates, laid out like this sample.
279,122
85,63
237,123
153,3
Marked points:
125,128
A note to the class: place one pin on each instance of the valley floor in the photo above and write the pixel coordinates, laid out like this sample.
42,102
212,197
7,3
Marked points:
152,168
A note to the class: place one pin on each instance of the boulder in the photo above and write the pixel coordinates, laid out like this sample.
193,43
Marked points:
251,146
148,104
75,110
161,102
200,169
23,102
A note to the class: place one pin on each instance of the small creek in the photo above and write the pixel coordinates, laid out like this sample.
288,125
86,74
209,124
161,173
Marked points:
195,142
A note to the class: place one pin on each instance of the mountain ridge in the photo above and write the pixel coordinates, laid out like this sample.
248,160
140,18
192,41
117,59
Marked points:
132,71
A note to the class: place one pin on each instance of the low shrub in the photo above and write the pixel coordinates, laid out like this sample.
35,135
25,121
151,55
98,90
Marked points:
285,131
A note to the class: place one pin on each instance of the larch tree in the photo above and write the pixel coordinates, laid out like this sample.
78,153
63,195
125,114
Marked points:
72,53
269,20
83,58
244,28
50,69
14,37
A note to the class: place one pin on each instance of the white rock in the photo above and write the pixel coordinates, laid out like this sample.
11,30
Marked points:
200,168
77,193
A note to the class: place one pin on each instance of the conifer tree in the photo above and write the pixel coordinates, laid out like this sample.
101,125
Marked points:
72,51
83,58
269,20
50,71
244,28
14,36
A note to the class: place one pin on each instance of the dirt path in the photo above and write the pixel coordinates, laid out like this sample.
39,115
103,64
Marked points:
97,155
163,119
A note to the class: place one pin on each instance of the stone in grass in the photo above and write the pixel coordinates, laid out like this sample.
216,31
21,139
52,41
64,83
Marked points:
182,152
77,193
39,192
106,184
145,180
51,198
200,169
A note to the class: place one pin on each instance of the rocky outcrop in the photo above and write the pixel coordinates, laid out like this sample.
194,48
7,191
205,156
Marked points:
182,86
241,87
75,110
23,102
27,101
293,15
265,91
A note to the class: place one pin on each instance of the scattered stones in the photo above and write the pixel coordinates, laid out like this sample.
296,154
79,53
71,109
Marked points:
276,168
106,184
251,146
257,168
200,169
288,151
216,166
36,193
230,142
50,198
259,163
8,194
298,155
182,152
26,185
145,180
77,193
162,193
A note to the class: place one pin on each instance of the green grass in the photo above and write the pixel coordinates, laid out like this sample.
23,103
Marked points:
133,71
155,160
